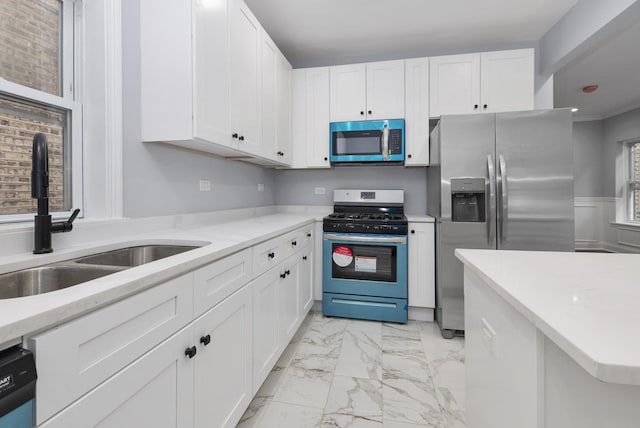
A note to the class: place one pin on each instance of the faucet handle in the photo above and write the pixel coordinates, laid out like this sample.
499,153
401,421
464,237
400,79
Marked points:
67,225
74,214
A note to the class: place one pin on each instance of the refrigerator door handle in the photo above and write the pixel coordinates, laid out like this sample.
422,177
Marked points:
491,221
504,198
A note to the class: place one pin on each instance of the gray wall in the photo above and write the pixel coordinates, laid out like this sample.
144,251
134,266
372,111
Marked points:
297,187
588,146
163,180
625,126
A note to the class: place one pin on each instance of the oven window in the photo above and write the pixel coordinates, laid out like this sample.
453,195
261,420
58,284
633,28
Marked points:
364,262
356,142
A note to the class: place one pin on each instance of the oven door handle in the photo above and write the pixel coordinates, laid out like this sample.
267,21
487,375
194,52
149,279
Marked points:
371,239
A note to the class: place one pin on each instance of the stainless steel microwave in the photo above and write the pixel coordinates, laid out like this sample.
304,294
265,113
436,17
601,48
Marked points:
366,141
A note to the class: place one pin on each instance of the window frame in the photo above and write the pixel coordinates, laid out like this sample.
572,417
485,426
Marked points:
68,100
628,183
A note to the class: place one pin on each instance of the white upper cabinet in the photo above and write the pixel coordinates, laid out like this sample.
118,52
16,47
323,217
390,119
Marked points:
310,118
284,149
269,102
245,88
367,91
417,112
385,90
507,80
454,84
483,82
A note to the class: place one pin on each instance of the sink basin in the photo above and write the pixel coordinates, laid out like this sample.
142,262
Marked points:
44,279
135,256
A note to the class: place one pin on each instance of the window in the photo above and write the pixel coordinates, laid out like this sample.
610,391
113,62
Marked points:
37,52
633,180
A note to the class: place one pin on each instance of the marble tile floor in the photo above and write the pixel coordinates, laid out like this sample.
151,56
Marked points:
363,374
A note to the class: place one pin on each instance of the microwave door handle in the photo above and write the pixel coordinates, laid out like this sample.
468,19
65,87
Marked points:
385,143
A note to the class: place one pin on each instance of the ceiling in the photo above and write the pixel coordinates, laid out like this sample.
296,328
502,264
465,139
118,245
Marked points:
331,32
614,67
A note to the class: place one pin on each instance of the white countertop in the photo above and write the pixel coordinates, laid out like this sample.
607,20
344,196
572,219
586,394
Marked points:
24,315
586,303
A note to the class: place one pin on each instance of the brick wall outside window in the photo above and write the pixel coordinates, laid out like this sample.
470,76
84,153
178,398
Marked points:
29,55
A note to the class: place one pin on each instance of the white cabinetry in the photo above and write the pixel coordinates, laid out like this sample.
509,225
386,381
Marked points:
310,118
245,86
482,82
305,291
222,374
421,253
417,112
288,309
367,91
284,146
266,344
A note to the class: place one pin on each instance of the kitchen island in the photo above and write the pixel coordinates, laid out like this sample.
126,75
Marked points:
552,339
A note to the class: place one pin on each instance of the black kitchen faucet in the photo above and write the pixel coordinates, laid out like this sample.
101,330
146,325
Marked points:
43,227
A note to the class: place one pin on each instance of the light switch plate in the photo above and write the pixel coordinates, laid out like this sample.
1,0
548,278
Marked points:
205,186
260,187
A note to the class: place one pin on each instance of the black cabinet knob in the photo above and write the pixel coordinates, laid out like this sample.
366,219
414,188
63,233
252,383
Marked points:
369,111
304,257
294,243
308,235
287,272
235,136
271,255
283,275
485,106
326,159
362,113
205,340
241,138
475,106
409,156
191,352
413,231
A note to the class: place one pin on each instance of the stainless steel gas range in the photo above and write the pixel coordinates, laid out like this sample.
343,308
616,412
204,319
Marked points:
364,256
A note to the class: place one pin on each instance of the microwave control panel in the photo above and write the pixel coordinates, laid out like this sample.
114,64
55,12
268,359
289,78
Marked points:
395,141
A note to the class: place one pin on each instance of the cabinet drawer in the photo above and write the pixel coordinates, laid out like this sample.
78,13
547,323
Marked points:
77,356
296,240
266,255
220,279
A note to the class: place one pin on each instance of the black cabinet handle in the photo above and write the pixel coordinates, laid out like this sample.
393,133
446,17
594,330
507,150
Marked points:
475,106
205,340
271,255
241,138
308,235
413,231
304,257
235,136
191,352
409,156
485,106
362,113
287,272
283,275
369,112
294,243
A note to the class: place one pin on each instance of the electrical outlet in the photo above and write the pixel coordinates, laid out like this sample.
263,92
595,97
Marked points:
260,187
319,190
205,186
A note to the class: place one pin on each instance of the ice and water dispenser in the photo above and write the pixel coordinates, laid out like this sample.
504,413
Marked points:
468,200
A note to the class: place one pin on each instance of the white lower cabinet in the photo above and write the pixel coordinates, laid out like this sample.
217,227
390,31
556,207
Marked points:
222,375
305,291
266,344
288,298
155,391
421,254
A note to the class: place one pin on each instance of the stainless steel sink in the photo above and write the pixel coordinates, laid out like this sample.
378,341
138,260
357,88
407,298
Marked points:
38,280
134,256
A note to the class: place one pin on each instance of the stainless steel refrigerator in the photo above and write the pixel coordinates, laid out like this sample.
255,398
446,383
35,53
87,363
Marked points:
497,181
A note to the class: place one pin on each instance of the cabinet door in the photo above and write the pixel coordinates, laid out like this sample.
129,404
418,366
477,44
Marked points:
306,281
283,109
266,342
507,80
385,90
245,103
347,93
269,53
421,254
155,391
417,112
454,84
288,299
317,246
223,387
317,115
211,73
